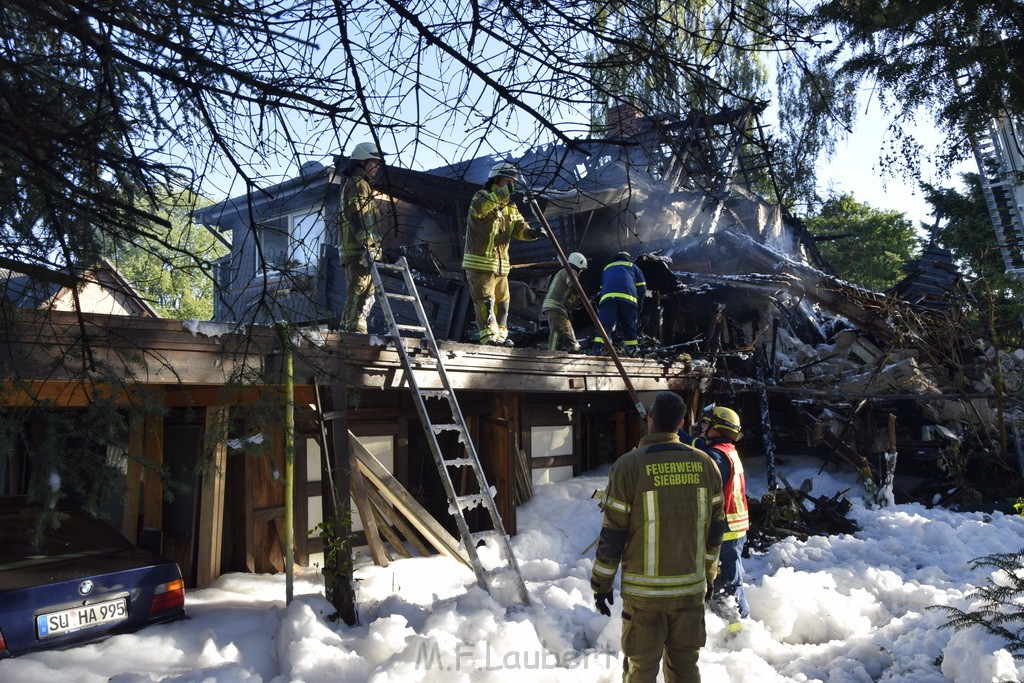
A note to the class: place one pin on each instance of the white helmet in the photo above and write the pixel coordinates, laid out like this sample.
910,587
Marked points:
504,169
366,150
579,260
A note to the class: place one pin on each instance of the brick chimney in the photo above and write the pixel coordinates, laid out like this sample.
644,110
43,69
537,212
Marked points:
622,120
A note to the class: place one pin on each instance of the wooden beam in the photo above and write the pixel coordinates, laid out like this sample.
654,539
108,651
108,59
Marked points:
132,483
211,506
388,516
152,484
395,493
380,558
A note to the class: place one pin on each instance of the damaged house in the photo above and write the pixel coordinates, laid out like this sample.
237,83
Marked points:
741,311
736,283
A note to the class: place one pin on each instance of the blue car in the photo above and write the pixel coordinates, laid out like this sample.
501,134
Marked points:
77,583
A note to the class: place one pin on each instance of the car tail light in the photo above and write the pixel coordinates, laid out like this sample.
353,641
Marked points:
3,644
168,596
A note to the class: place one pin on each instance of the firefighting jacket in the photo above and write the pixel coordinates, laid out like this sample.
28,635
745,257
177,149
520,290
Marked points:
562,295
492,223
724,453
360,219
623,280
663,522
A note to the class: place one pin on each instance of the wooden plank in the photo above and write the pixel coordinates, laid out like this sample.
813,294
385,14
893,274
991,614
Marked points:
389,533
211,506
389,516
380,557
132,483
436,535
152,485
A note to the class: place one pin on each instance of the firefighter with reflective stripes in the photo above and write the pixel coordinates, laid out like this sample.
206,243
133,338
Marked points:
720,430
663,523
492,223
359,236
559,302
622,293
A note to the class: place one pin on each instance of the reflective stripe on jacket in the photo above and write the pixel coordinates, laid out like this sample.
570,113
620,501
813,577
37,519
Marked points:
623,280
562,295
735,493
663,520
360,220
492,223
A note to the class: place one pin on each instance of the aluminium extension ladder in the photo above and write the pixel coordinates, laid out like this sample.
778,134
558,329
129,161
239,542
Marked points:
503,580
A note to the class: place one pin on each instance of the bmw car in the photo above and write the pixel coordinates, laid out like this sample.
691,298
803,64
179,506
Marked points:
79,582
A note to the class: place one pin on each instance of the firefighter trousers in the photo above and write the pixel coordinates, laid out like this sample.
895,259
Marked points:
561,335
359,297
490,304
649,633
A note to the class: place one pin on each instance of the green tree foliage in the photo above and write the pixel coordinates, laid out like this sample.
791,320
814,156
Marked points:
959,61
865,245
966,230
172,266
682,56
995,606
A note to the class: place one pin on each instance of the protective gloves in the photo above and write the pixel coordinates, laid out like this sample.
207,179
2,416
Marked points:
602,600
535,233
367,258
710,591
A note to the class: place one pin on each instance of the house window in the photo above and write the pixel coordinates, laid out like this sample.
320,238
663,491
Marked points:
292,241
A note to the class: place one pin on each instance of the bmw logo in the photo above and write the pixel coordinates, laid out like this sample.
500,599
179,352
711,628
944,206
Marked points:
85,587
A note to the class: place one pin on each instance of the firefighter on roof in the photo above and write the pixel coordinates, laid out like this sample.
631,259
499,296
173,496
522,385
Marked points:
359,244
622,293
559,302
492,223
663,523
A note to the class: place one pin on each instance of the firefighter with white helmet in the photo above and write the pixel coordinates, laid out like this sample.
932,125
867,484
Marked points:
492,223
559,303
359,242
720,430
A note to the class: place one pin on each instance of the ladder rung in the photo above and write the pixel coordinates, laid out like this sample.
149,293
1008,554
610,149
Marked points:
450,427
412,328
434,393
460,462
471,500
388,266
478,536
400,297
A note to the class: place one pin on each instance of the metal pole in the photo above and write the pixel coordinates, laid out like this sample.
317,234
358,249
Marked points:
289,465
586,304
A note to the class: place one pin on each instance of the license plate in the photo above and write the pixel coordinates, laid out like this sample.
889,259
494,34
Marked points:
77,618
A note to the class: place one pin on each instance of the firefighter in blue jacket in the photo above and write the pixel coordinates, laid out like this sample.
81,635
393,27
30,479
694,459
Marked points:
622,293
720,430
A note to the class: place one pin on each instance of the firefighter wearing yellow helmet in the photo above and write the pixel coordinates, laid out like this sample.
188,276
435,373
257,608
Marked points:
359,234
720,429
492,223
559,303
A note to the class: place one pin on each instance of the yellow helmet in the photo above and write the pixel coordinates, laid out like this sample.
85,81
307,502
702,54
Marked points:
725,420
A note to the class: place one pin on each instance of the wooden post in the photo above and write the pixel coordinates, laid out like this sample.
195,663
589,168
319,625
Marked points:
211,508
152,483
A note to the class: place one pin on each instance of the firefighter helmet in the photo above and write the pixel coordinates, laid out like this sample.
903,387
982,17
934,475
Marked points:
579,260
504,169
365,151
724,420
623,256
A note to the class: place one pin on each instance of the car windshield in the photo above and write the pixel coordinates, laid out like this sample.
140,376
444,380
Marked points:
28,536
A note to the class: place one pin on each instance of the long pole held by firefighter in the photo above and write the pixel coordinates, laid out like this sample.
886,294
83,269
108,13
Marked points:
532,201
